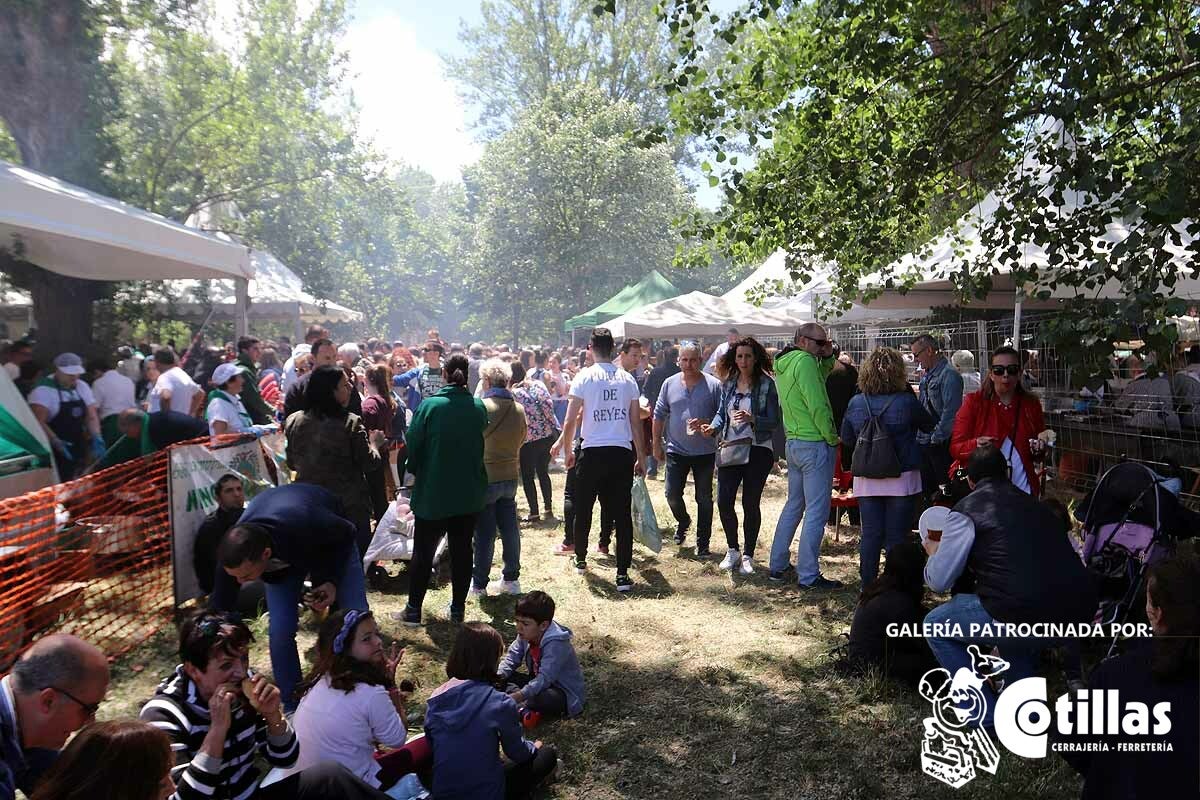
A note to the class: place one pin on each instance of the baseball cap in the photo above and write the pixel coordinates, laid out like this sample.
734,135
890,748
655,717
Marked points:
225,373
69,363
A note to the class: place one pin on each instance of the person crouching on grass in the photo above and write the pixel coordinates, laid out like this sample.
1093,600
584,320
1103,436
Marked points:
219,716
350,704
553,685
466,718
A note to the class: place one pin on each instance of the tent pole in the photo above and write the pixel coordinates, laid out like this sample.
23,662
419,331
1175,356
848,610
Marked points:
241,322
298,328
1017,322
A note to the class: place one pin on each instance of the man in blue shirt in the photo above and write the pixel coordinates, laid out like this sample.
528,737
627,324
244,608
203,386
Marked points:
285,536
687,400
941,394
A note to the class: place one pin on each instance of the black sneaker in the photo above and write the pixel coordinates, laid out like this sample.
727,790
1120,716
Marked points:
822,583
624,584
780,576
410,617
702,551
457,615
681,533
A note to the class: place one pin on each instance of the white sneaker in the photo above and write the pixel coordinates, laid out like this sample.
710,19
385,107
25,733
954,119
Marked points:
504,587
747,566
478,591
731,559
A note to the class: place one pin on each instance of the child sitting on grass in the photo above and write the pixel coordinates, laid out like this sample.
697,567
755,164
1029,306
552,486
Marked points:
350,703
552,686
465,720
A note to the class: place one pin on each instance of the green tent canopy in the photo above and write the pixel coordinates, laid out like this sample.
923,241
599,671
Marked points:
651,289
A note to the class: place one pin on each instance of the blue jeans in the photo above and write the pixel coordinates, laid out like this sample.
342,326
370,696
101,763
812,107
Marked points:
283,599
951,653
886,521
499,510
810,488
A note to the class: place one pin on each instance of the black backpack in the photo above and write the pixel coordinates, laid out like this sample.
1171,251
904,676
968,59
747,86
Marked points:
874,452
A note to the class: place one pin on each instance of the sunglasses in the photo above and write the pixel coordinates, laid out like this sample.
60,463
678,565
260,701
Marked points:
817,342
1013,370
90,708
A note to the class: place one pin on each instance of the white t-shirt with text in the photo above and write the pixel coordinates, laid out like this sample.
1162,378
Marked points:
607,391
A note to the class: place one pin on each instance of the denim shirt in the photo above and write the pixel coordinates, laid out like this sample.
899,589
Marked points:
941,395
904,418
764,405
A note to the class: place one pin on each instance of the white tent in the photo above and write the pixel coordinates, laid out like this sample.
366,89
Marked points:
276,292
798,300
773,278
74,232
699,314
931,266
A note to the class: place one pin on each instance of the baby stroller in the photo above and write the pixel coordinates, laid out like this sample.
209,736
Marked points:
1130,522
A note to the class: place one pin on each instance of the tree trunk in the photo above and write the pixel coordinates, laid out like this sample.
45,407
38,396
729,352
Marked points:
51,98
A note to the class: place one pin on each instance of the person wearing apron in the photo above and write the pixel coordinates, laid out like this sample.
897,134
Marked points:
66,409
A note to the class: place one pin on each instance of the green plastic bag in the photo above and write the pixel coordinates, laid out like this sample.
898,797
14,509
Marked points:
645,524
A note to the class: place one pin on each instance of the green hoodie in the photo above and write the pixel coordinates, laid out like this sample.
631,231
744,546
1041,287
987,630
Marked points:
800,379
444,452
260,413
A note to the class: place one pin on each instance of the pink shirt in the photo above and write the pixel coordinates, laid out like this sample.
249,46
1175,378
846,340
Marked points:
908,483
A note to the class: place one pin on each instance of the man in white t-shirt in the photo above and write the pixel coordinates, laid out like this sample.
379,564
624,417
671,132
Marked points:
605,398
175,389
66,409
114,393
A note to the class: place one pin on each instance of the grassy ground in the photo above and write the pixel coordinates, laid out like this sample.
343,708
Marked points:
699,685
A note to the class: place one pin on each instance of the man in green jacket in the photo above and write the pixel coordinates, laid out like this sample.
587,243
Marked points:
248,351
800,373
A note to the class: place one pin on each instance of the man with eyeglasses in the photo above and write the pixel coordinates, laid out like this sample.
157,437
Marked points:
53,690
800,373
941,394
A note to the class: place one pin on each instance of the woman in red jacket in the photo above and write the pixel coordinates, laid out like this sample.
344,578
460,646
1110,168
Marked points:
1004,414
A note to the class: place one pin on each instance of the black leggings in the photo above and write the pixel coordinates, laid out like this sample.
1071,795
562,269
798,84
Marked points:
752,477
521,779
605,474
320,782
535,459
460,531
550,702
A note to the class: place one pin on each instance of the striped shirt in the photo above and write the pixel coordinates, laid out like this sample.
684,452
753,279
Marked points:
178,710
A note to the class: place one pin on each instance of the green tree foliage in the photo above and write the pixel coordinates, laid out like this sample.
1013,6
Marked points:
268,127
567,210
877,122
522,50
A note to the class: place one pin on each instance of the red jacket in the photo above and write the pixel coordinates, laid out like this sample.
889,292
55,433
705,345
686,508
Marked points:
982,416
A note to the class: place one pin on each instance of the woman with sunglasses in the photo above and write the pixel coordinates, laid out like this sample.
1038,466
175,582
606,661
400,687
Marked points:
1004,414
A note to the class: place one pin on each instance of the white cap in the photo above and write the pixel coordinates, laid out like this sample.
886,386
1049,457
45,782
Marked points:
934,518
224,373
69,363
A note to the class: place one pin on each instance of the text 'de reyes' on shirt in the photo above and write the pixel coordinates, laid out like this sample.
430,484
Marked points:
607,392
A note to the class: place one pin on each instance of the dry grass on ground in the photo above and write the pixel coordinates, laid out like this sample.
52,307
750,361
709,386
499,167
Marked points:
699,686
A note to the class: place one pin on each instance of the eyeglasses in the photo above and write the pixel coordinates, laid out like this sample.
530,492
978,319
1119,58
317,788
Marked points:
90,708
817,342
1013,370
921,352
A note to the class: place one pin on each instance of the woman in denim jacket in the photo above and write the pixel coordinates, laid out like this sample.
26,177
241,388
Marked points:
749,409
886,505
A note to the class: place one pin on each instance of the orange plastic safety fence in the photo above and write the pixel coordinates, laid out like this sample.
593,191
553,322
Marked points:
91,557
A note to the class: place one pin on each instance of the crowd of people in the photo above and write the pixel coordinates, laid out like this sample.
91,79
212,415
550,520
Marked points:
463,428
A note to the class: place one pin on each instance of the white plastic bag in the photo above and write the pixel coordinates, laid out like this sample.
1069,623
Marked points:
645,523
